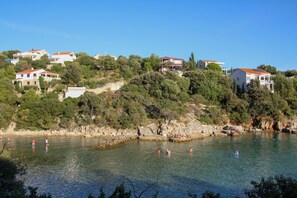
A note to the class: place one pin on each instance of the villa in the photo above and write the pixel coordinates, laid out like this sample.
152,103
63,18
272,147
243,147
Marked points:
31,54
31,77
61,57
173,63
243,76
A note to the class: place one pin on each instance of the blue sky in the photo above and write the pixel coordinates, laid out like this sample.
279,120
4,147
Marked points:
237,32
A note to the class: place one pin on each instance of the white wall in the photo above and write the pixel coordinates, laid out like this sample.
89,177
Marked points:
30,76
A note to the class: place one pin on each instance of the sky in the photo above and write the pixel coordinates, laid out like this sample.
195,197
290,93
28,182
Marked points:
237,32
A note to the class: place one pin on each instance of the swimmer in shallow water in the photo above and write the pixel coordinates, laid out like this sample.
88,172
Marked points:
33,142
168,152
191,151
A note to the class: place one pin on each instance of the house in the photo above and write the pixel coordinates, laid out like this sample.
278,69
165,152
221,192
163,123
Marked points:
173,63
31,77
31,54
202,64
243,77
75,92
61,57
97,56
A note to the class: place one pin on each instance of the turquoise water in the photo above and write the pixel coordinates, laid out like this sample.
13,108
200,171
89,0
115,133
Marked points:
67,168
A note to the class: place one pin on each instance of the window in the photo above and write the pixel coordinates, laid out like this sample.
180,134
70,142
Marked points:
34,75
262,77
28,83
28,75
22,75
35,82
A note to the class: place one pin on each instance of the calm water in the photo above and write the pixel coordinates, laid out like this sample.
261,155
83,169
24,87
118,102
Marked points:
68,169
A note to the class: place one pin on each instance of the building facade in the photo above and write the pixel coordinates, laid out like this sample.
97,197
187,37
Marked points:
61,57
31,54
173,63
202,64
243,76
31,77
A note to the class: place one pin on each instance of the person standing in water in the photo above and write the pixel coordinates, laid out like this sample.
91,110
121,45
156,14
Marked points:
46,142
237,153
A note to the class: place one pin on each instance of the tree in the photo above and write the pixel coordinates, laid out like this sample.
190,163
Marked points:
43,84
268,68
291,73
214,67
192,62
283,85
73,74
279,186
9,54
22,65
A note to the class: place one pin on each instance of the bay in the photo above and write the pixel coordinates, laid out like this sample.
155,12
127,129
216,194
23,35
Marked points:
68,168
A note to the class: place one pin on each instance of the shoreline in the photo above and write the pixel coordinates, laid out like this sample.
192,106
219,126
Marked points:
112,140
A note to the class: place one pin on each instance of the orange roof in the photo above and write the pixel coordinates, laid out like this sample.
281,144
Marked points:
62,53
28,71
254,71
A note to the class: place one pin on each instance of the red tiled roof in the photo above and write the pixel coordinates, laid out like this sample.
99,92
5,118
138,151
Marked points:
254,71
62,53
28,71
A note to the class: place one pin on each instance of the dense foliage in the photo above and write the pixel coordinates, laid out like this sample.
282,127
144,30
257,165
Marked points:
147,96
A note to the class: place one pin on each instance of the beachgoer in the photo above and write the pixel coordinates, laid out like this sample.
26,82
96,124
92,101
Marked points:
158,151
46,141
33,142
191,150
237,154
168,152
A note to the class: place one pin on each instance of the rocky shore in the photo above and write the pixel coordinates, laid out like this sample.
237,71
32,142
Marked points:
186,129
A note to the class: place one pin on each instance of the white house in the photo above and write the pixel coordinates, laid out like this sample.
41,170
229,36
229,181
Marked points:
75,92
174,63
32,54
97,56
202,64
243,76
31,77
61,57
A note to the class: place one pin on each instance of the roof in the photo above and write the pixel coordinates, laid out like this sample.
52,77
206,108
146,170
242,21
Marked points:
209,61
37,50
62,53
254,71
28,71
167,57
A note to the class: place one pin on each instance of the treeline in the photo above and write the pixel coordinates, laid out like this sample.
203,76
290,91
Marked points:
148,95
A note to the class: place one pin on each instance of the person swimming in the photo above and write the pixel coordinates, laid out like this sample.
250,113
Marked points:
33,142
168,152
237,153
158,151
